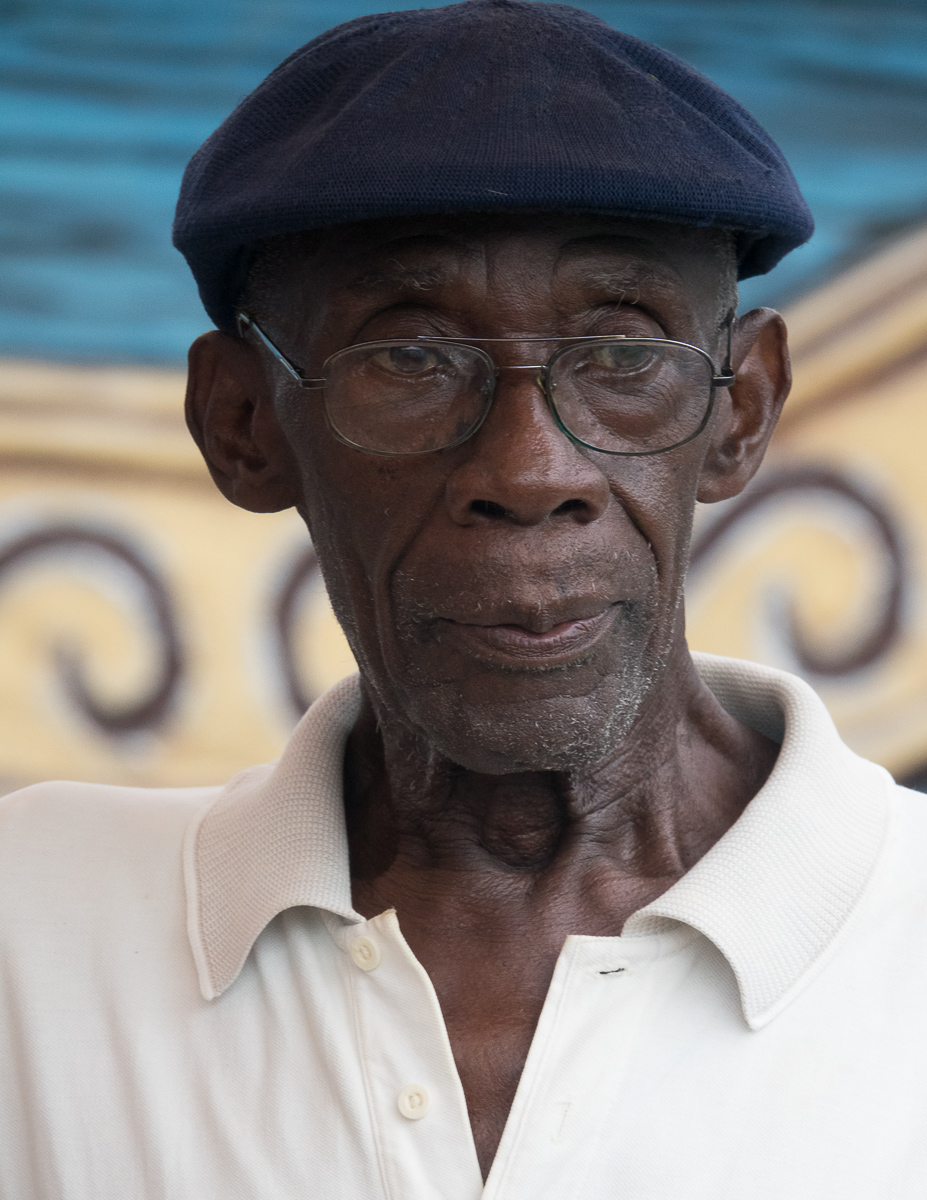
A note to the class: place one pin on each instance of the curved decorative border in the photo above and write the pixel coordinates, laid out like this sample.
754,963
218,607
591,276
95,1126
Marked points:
150,711
887,627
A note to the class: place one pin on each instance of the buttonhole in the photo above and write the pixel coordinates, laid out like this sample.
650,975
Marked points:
614,971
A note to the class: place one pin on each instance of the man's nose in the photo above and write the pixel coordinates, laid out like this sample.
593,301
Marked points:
522,467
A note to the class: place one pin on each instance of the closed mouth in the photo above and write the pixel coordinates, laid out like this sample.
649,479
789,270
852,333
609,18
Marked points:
516,645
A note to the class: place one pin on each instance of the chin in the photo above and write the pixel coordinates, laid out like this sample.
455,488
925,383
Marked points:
559,733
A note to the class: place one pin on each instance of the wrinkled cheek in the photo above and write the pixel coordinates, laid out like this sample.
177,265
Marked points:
359,565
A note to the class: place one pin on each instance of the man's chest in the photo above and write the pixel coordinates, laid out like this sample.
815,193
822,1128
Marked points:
319,1074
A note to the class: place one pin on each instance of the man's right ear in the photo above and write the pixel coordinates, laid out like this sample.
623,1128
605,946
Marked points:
230,413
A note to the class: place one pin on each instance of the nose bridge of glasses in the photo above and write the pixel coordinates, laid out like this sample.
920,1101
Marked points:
539,369
519,380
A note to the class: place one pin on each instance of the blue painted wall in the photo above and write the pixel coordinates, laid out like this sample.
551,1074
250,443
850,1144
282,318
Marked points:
103,101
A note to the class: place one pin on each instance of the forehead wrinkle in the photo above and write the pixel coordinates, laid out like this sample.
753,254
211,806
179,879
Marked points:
388,268
618,276
393,275
639,251
654,278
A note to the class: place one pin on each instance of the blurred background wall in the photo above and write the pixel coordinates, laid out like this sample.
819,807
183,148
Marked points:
149,632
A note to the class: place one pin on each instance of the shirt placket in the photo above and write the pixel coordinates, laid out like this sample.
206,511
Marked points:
417,1107
576,1067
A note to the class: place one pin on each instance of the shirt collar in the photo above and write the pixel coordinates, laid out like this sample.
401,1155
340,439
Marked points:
773,894
777,890
273,839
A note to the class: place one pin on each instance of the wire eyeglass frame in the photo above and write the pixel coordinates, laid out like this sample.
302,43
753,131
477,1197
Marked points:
725,378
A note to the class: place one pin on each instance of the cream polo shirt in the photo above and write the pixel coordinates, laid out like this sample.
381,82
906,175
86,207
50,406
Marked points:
191,1009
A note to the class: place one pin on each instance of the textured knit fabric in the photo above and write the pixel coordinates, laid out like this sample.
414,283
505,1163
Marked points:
758,1031
488,106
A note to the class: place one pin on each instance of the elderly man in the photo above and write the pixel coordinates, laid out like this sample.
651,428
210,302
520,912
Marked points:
537,905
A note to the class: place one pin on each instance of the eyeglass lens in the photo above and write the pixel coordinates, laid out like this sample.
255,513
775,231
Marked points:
627,397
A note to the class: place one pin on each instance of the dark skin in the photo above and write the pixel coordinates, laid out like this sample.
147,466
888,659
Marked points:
536,755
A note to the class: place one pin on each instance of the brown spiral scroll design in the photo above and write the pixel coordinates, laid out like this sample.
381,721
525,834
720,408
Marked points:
149,711
301,573
886,627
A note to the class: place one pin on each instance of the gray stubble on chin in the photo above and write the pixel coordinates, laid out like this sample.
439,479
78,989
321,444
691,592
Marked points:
559,732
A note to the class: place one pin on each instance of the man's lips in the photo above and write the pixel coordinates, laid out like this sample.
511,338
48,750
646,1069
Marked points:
516,643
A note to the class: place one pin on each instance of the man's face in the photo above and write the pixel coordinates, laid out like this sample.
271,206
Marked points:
514,598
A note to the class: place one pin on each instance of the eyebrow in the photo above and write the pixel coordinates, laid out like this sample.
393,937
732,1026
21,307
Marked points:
624,285
629,284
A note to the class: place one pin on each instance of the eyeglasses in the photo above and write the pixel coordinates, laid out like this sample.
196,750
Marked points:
620,395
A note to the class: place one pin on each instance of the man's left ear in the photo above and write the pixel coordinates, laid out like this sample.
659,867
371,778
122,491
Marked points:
746,413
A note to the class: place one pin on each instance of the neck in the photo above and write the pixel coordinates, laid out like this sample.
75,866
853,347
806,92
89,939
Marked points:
615,834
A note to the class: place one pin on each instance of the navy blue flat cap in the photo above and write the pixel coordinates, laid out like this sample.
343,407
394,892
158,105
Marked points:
485,106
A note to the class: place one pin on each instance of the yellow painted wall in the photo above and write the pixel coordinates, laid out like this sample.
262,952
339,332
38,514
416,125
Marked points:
105,506
92,459
856,420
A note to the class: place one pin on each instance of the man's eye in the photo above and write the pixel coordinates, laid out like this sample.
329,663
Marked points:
409,360
626,359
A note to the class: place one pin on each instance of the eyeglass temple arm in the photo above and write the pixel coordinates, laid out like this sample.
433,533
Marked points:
726,378
246,322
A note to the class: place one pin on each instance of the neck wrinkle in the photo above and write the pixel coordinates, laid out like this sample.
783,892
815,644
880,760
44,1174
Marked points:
640,809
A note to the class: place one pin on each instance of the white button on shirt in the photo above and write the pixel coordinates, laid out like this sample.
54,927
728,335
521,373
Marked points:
366,953
414,1102
190,1008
